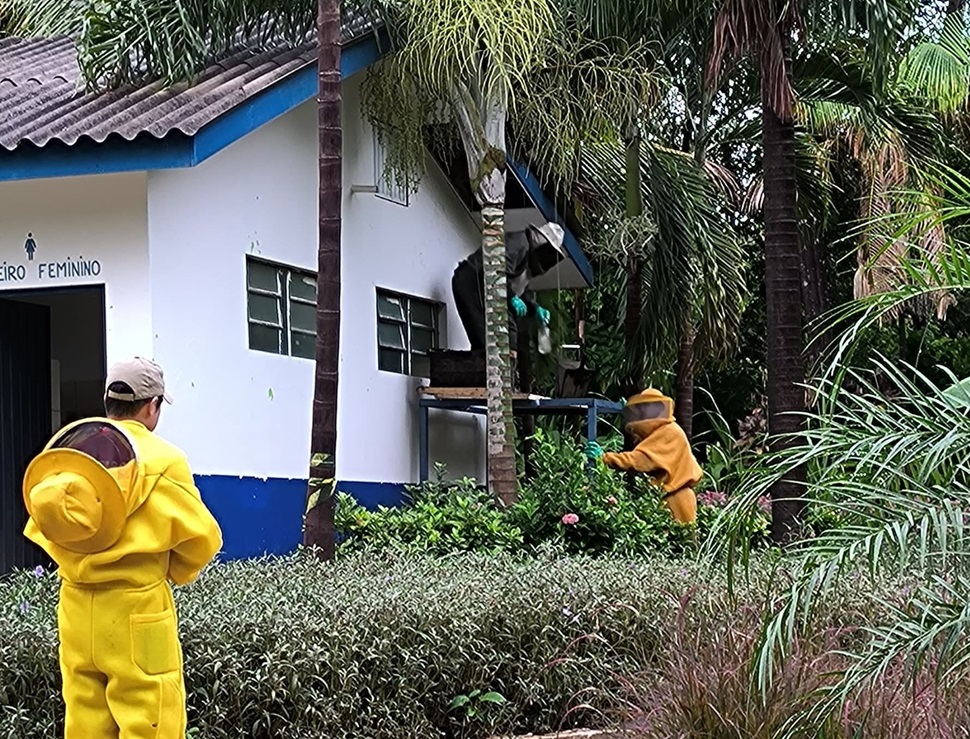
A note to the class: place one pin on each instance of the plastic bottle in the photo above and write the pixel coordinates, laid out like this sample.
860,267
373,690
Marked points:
545,340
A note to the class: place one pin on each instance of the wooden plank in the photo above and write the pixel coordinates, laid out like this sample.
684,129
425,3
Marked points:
469,393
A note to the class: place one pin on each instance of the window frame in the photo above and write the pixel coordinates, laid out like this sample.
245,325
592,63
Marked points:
409,324
285,299
389,191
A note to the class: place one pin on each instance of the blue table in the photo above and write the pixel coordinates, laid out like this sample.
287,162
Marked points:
522,405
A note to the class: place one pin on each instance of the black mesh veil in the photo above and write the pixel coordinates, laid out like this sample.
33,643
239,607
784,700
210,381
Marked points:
100,440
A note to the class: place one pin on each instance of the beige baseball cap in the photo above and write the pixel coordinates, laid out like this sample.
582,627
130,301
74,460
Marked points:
143,376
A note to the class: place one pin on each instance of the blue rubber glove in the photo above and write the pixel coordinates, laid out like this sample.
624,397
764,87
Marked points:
518,305
543,315
593,450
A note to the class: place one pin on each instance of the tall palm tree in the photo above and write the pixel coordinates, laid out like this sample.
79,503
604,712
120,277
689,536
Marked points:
466,58
676,35
764,28
485,63
318,530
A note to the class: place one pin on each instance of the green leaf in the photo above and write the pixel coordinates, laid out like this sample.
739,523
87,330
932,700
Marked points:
496,698
458,702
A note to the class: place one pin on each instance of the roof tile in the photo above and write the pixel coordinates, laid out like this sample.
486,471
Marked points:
42,97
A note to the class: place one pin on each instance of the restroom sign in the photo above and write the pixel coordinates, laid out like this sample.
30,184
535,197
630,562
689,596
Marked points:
36,266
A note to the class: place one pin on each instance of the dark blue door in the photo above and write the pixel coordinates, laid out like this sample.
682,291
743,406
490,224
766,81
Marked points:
25,420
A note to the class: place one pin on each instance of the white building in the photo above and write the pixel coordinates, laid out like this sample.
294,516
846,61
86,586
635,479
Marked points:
182,225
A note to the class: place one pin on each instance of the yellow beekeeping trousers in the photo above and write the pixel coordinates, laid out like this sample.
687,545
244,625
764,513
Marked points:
121,663
683,505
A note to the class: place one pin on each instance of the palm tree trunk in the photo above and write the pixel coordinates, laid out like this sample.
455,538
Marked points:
783,289
318,530
634,281
815,297
498,366
684,402
634,287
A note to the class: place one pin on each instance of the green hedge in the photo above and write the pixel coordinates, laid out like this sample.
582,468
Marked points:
387,646
375,646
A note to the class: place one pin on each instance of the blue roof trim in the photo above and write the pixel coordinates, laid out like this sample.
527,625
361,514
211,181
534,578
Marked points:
87,157
279,99
176,150
549,211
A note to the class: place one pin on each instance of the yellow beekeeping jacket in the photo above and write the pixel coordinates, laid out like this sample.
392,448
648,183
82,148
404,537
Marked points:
169,533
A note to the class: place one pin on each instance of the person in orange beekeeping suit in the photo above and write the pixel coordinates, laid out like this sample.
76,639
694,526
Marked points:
116,508
662,451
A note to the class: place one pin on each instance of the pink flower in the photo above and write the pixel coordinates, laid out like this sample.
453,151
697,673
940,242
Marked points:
712,498
569,519
765,503
611,500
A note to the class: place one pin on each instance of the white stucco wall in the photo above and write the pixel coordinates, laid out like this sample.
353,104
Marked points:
242,412
98,226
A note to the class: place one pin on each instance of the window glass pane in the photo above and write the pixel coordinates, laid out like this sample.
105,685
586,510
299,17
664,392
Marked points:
303,317
390,335
422,313
420,366
264,308
265,339
303,286
389,306
263,276
422,339
390,360
302,345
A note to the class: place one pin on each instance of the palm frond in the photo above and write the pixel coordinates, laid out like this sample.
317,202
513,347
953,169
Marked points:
584,90
759,28
693,260
939,70
494,42
47,18
893,470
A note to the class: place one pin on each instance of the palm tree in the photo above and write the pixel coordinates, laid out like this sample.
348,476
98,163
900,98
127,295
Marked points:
676,35
318,530
853,139
485,63
764,29
692,259
894,474
467,59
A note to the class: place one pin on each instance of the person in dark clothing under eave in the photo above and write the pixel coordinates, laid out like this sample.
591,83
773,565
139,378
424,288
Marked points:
528,254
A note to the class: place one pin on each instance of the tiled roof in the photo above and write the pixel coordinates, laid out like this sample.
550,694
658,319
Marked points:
42,97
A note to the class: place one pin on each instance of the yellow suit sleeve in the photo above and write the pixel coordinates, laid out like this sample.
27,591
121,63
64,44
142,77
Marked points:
195,533
635,460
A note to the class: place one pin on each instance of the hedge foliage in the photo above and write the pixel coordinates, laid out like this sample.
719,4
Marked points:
564,503
387,646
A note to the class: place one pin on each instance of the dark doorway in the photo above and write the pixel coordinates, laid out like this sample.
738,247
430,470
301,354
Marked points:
52,365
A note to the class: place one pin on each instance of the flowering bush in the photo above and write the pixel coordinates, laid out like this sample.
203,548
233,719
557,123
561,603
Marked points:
566,502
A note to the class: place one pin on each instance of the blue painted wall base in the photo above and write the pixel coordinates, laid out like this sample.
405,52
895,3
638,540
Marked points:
260,517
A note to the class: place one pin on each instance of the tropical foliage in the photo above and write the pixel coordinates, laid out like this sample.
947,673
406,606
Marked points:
884,451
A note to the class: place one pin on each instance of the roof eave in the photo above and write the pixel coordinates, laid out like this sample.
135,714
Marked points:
176,150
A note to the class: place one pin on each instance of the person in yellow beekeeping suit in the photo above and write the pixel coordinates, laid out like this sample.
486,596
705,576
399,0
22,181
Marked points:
662,451
116,508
